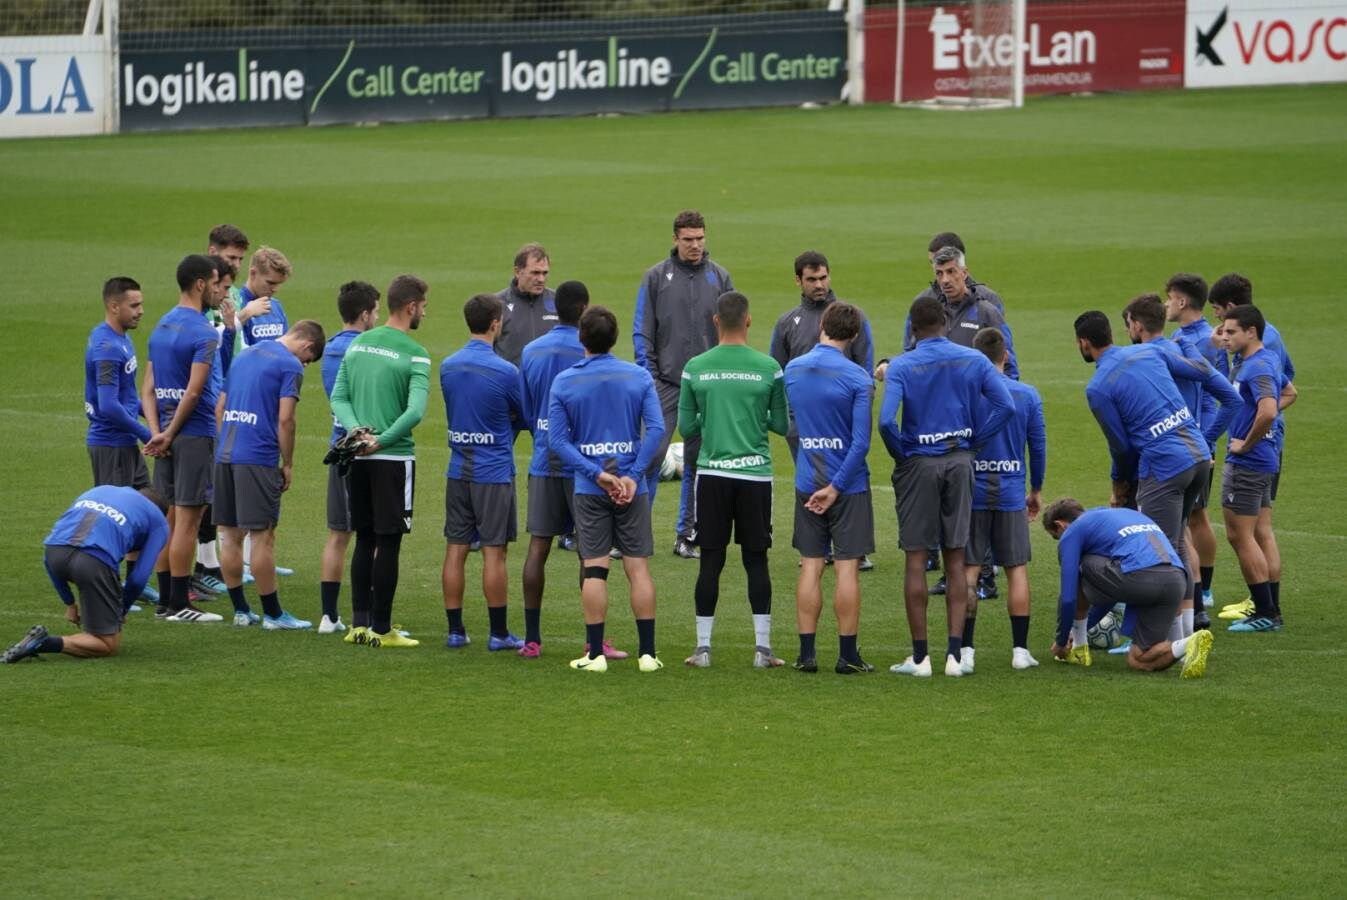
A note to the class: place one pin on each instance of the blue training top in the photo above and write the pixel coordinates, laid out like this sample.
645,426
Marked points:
998,468
1257,378
107,523
952,398
266,327
1272,342
1210,388
542,360
259,378
831,397
484,408
181,339
595,417
1123,534
333,354
111,401
1196,337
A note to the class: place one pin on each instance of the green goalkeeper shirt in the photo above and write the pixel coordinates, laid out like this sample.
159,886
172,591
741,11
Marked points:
382,384
732,395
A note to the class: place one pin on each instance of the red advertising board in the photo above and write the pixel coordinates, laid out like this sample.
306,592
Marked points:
1068,48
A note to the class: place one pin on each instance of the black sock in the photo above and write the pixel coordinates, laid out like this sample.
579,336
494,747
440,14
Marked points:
271,605
178,585
594,637
968,625
954,646
362,574
165,587
918,651
1276,588
1019,631
212,571
807,645
1261,594
236,597
330,592
533,625
1206,572
496,615
846,647
645,637
455,617
51,644
384,581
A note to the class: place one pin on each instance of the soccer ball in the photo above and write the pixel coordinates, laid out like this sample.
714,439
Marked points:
1107,634
672,467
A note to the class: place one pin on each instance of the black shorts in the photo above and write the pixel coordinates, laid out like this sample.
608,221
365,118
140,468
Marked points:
100,591
733,503
1004,533
845,531
338,502
479,512
601,525
119,466
934,499
1204,495
247,496
185,477
550,506
381,495
1152,595
1245,491
1168,503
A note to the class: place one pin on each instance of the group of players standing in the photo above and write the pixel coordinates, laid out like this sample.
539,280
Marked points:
960,426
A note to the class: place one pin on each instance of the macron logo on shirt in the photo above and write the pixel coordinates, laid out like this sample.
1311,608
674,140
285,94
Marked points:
111,513
1170,422
944,436
169,393
608,448
471,437
1138,529
240,416
997,465
820,443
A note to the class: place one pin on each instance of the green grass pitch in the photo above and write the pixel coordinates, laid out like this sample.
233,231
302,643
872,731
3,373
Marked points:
209,761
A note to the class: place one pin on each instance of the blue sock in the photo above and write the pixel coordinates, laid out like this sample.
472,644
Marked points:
594,637
236,598
807,646
918,651
846,647
954,645
533,625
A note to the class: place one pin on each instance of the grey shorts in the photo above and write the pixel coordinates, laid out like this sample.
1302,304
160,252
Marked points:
119,466
185,477
1004,533
247,496
845,531
549,506
338,502
479,512
100,591
601,525
1244,491
1152,595
1204,495
1168,503
934,498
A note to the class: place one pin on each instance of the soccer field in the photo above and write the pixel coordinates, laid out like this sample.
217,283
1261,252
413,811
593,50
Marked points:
213,761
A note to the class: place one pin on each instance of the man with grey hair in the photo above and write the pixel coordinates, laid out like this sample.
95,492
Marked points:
530,305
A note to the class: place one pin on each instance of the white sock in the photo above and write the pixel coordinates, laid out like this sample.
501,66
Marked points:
762,629
704,626
1187,616
1080,633
1176,629
248,550
206,555
1179,647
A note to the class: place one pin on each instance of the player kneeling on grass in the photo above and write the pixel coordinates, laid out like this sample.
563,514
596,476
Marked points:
832,397
1001,507
594,422
256,418
1108,555
101,528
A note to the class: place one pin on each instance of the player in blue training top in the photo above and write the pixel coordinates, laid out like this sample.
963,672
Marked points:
1252,459
358,306
484,408
104,526
952,401
177,397
256,417
111,401
550,512
267,271
1152,433
832,397
1110,556
1144,318
605,421
1186,297
1002,507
